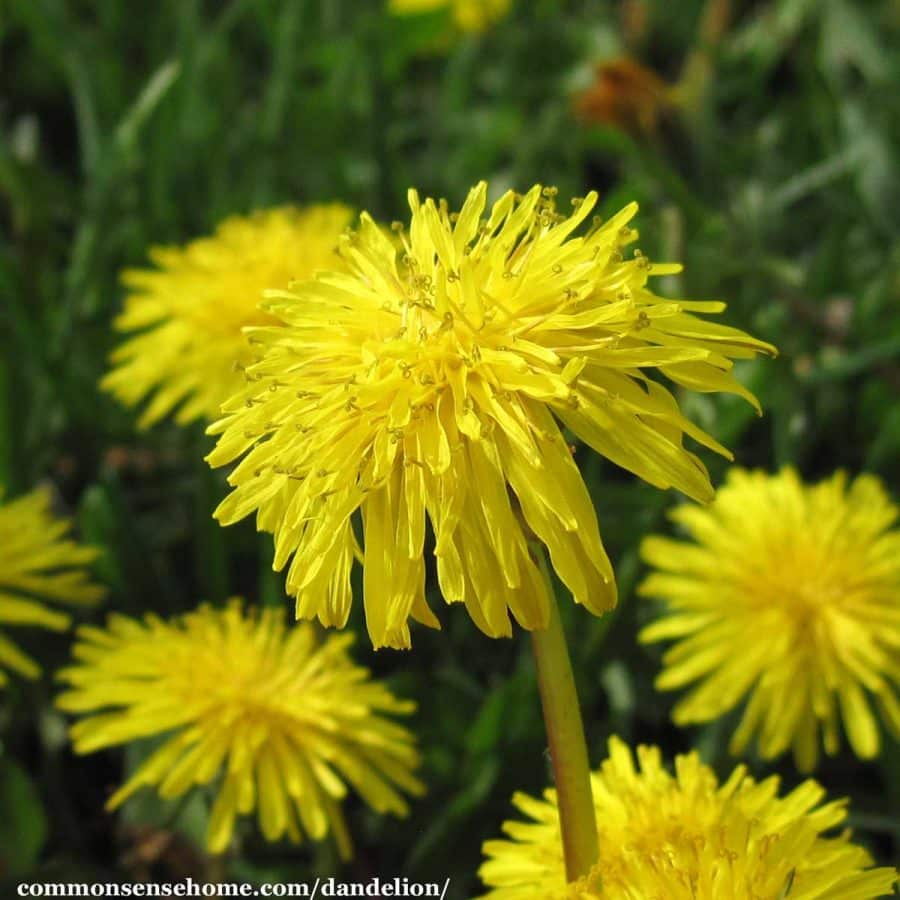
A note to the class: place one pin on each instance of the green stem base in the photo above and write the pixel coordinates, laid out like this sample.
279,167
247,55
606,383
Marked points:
568,748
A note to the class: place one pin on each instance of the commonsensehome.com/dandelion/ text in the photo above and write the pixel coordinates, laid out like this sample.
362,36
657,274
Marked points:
321,887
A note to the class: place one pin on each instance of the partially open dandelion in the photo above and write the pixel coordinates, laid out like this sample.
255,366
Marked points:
435,380
789,595
275,720
189,311
685,837
38,561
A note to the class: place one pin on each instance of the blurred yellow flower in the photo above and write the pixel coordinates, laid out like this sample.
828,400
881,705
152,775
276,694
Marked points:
435,379
288,723
685,837
36,560
190,310
469,15
789,595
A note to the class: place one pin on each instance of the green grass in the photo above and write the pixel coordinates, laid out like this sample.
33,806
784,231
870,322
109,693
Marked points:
128,125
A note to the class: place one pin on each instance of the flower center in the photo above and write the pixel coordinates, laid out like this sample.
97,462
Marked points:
233,685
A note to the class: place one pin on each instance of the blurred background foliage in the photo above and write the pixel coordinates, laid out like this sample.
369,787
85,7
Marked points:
761,140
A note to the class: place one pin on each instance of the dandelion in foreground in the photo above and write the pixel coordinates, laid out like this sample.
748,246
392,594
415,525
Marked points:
789,596
287,723
189,311
685,837
435,381
37,560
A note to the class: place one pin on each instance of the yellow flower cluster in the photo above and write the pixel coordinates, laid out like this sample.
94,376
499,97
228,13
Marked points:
685,837
419,392
37,561
788,595
277,721
434,381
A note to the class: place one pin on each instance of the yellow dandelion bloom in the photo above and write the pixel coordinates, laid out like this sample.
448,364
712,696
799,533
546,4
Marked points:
37,560
685,837
434,380
288,723
189,311
469,15
790,595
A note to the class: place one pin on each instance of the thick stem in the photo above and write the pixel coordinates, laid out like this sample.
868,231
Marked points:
565,736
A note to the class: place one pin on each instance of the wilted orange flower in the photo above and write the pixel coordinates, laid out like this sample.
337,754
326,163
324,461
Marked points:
624,94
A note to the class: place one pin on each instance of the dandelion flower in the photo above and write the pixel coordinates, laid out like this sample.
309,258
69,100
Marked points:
189,311
789,595
469,15
685,837
36,560
434,382
286,722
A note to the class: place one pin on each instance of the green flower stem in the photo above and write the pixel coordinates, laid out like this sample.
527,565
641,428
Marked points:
565,735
